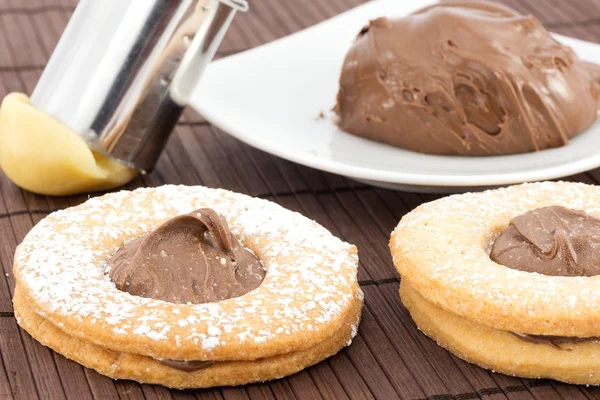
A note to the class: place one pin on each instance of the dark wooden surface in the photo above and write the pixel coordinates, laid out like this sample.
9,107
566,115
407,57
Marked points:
389,358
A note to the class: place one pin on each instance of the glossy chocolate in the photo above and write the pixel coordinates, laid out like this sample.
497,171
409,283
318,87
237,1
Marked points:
465,78
192,258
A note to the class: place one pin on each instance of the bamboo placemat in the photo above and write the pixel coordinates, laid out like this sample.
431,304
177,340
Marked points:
389,358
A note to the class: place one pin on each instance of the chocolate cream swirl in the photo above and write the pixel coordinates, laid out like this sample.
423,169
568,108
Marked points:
465,78
553,240
193,258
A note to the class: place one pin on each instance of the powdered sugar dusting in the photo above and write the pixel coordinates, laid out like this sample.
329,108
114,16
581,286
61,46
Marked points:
63,260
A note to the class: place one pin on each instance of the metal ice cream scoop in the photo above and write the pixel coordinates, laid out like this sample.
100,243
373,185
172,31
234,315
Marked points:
123,70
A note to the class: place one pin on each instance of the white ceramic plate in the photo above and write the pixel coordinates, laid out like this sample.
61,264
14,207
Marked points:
270,97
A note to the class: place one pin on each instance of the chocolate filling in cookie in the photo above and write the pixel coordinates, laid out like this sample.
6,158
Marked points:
559,342
555,241
190,259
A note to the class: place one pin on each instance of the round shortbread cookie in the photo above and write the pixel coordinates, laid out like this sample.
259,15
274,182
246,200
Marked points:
306,308
502,351
442,249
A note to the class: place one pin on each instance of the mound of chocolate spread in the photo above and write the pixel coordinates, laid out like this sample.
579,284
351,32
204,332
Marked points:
465,78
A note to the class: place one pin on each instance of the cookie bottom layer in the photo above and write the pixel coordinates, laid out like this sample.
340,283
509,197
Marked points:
145,369
502,351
